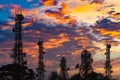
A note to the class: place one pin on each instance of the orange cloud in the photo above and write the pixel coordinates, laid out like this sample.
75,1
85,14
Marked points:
61,19
52,43
50,63
6,27
116,15
60,16
31,49
24,25
11,23
112,33
85,8
99,70
56,42
49,2
65,8
76,52
30,12
27,24
83,41
25,12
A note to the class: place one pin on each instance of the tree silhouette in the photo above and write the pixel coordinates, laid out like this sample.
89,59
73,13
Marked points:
16,72
75,77
54,76
95,76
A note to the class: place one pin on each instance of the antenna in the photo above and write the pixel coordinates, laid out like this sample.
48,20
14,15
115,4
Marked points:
86,65
19,57
64,70
41,69
108,67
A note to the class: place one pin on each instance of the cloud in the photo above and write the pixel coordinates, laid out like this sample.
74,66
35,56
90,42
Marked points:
97,1
29,0
60,15
83,41
1,7
48,2
65,13
58,42
27,24
111,33
5,52
6,27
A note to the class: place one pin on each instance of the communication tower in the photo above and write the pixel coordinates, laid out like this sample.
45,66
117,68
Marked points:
64,70
108,67
86,65
40,69
18,54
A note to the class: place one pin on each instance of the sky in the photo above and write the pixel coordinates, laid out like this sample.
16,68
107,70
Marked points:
67,27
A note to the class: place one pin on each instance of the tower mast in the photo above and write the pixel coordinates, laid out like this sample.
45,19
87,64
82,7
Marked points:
40,69
108,67
64,70
86,65
18,54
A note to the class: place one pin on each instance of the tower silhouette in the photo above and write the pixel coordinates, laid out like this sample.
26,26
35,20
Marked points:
18,54
64,70
108,67
40,69
86,65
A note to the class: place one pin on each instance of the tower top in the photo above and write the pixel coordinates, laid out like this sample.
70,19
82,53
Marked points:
40,42
19,16
63,60
108,44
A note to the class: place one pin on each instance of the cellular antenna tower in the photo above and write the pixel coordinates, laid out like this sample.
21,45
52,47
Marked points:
41,69
64,70
18,54
86,65
108,67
